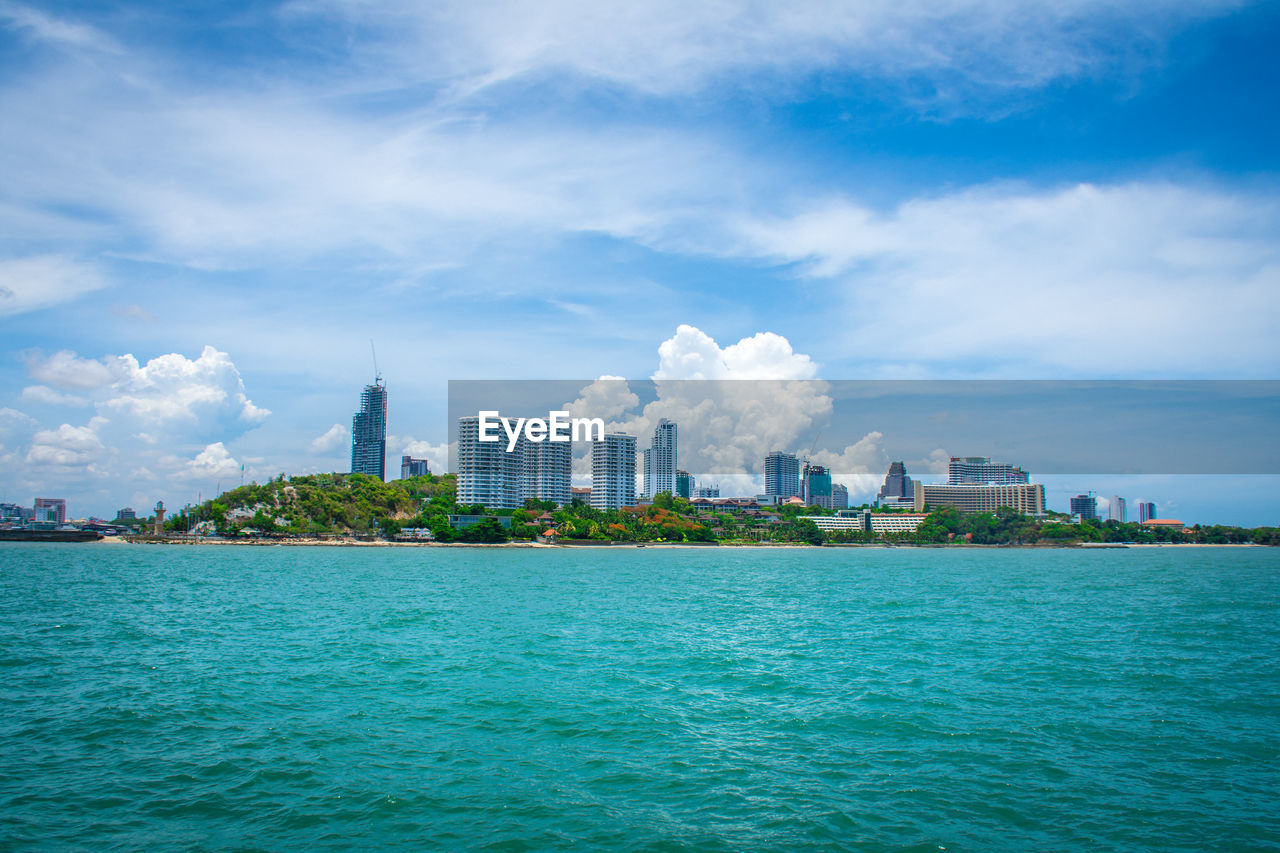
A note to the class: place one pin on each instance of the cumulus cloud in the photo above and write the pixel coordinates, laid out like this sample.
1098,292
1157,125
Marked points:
334,438
169,391
214,461
733,404
64,369
30,283
66,446
693,354
437,455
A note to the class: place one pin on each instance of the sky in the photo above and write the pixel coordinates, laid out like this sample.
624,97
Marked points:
208,211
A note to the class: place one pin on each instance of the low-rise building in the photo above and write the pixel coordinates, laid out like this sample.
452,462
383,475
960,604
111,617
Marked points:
895,522
461,521
1027,498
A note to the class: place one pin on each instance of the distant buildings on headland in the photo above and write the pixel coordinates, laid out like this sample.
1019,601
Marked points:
491,476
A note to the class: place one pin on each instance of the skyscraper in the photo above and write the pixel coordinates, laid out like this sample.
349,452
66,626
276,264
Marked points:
684,484
980,469
1116,509
1146,511
613,471
1084,506
781,475
839,496
369,432
898,488
491,476
660,460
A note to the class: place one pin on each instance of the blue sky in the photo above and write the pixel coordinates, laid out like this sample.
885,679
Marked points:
207,210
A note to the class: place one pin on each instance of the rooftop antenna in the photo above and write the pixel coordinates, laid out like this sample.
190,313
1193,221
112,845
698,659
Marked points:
377,374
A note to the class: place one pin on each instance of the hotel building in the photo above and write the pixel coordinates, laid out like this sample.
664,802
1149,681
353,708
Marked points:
1026,498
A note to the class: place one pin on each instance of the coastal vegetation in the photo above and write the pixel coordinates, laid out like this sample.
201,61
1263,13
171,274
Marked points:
319,505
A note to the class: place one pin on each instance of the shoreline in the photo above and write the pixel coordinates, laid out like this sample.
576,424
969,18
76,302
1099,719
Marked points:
356,543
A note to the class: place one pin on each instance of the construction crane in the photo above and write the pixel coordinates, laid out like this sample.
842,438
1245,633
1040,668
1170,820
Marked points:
378,374
804,471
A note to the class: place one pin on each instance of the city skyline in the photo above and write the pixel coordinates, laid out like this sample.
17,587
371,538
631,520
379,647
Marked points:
208,211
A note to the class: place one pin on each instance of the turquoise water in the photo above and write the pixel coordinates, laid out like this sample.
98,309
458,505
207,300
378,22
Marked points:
716,699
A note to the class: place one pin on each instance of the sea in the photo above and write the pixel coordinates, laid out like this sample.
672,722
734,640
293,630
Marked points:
647,699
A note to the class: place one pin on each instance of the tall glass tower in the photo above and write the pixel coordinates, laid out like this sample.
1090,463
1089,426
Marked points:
369,432
660,460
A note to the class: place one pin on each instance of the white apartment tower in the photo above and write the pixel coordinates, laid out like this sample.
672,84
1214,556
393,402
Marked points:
1116,509
660,460
613,471
489,475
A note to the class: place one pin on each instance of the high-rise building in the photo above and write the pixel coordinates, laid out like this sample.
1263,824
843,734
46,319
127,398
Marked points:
50,509
839,496
660,460
126,514
613,471
548,470
369,432
1084,506
781,475
410,467
706,493
817,487
1116,509
1146,511
1026,498
492,476
487,474
898,488
981,470
684,484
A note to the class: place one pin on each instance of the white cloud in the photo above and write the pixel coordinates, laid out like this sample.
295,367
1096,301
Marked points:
168,391
64,369
334,438
49,397
667,46
30,283
214,461
66,446
437,455
1092,280
727,422
52,30
693,354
